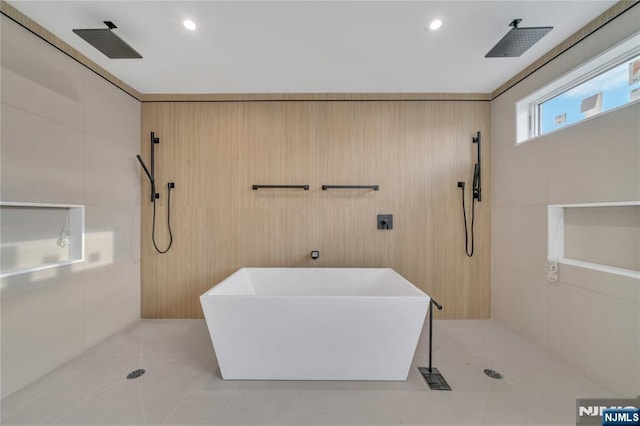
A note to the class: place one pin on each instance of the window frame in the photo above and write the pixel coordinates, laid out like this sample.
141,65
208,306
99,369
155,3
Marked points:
528,114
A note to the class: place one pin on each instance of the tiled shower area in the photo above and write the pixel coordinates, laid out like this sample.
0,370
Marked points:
182,385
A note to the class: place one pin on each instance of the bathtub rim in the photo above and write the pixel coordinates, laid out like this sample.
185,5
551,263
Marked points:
420,294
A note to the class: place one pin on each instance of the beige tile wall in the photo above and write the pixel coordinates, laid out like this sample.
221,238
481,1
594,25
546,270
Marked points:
588,318
34,146
68,136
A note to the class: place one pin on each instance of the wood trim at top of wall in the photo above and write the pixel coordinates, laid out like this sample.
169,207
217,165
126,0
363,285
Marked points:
600,21
258,97
32,26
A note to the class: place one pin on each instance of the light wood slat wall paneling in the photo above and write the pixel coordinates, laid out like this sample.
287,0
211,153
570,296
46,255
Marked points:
214,151
267,97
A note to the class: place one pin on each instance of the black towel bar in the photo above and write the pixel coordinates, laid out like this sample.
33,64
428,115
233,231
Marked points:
374,187
256,187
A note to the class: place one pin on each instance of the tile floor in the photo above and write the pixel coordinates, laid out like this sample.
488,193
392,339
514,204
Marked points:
182,385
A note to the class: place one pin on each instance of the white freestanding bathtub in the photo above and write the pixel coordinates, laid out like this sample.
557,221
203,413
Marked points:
314,324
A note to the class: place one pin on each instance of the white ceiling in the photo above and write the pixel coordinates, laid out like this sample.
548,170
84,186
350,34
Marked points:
312,46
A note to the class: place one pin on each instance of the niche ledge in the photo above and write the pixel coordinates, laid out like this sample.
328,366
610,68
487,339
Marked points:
556,238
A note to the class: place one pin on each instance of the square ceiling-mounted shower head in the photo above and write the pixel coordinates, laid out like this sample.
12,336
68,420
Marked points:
107,42
517,41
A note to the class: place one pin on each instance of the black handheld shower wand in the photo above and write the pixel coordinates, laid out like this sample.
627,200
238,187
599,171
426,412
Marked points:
150,174
154,194
144,166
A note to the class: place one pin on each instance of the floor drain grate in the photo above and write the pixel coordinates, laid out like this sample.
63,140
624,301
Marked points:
135,374
492,373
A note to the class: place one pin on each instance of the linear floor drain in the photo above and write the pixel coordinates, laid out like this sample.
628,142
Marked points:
135,374
492,373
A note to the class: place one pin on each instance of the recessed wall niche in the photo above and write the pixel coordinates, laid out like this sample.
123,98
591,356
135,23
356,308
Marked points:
599,236
36,236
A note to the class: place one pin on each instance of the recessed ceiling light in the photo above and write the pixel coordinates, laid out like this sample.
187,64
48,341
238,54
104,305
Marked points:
435,24
189,24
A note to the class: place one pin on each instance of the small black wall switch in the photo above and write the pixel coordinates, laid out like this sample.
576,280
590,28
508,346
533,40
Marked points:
385,221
